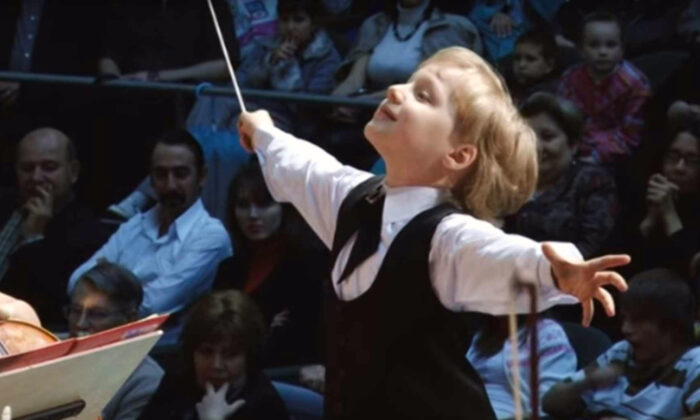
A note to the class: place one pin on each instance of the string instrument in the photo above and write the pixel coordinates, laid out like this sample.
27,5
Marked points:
19,336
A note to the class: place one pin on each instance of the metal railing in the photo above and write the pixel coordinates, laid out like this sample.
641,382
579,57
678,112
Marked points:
203,89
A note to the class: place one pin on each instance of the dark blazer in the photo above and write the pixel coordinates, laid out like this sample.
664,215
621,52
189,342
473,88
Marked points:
295,284
39,271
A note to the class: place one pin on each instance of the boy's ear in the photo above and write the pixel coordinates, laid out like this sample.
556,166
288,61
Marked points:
460,157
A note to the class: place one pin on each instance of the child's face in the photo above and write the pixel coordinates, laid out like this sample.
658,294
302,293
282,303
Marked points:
529,65
602,47
412,127
296,27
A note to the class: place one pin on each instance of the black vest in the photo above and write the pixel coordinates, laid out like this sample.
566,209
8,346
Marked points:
396,352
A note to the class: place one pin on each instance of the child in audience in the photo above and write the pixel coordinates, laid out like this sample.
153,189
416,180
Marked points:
609,90
300,58
222,379
654,373
491,356
408,265
534,66
279,264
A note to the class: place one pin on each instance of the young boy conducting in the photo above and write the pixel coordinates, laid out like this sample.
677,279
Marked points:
410,254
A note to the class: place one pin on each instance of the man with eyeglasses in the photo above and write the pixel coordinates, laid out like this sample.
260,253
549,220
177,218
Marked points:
104,297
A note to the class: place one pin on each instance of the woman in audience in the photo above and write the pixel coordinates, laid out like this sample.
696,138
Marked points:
574,201
391,44
670,225
277,262
222,377
490,354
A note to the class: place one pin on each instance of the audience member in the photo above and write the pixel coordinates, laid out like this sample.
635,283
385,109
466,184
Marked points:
301,58
46,231
654,372
391,44
648,26
491,356
175,247
535,64
502,22
574,201
277,267
609,90
221,377
156,41
105,297
670,227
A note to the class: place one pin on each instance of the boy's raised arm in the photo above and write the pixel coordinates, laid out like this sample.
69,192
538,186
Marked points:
299,172
475,264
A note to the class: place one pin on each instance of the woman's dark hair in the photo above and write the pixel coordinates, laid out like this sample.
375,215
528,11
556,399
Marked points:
313,7
250,177
185,139
562,111
119,284
228,316
660,295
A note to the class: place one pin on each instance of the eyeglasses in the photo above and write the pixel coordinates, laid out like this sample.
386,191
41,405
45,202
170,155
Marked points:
92,315
673,157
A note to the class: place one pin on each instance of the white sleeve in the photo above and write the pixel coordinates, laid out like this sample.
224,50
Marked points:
473,265
303,174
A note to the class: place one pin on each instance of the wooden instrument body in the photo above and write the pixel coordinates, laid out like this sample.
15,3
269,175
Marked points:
19,336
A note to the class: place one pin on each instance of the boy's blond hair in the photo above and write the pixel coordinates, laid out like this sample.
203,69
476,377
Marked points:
504,174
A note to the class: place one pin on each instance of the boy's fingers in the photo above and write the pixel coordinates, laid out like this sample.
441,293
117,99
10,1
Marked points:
609,261
611,278
209,388
605,299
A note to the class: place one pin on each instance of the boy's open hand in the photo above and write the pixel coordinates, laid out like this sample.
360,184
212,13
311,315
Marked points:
584,279
248,122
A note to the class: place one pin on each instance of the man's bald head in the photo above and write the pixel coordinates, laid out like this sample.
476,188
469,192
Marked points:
52,136
46,160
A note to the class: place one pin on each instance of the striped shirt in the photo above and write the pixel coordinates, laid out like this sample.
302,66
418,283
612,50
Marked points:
670,392
614,109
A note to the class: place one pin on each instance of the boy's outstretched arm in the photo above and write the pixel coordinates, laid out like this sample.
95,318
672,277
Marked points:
299,172
585,279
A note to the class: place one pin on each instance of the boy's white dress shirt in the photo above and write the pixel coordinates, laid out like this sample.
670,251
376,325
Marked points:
472,263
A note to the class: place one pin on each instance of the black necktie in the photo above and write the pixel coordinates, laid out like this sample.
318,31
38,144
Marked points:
369,212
